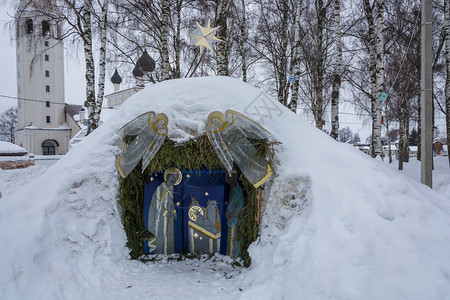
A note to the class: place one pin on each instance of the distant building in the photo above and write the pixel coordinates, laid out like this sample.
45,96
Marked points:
45,122
14,157
363,147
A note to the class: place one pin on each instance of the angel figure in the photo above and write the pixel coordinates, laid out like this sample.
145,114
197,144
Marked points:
229,135
162,214
150,131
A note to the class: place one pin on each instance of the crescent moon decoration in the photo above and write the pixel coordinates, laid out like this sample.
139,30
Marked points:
205,38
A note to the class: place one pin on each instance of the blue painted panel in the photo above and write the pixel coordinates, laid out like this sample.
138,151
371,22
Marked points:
174,231
200,212
204,220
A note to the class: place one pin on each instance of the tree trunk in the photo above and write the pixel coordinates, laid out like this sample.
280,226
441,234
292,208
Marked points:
177,44
389,140
447,64
102,58
283,87
419,131
318,113
223,6
403,131
242,39
376,121
296,59
379,72
90,68
165,11
337,72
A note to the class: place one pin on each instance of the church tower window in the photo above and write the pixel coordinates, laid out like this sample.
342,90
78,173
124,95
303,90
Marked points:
47,58
47,88
29,26
45,28
47,103
47,73
48,120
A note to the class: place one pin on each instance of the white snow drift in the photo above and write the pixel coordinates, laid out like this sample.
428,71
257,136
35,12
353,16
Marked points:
337,224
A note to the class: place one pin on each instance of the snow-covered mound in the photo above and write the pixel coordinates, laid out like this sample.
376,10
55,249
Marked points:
336,224
7,148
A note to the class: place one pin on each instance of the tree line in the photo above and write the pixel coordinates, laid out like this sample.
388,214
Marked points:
303,52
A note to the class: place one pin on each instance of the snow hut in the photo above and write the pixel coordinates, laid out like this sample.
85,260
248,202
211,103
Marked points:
201,195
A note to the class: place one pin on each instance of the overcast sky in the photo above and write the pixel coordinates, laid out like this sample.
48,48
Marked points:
75,82
73,67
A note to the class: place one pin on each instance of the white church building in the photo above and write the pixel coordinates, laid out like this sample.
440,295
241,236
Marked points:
45,122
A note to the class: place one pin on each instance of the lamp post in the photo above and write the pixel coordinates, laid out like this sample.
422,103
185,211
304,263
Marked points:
426,85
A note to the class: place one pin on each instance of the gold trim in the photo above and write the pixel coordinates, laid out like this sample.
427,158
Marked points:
156,151
204,231
230,111
148,119
216,115
224,145
148,112
269,173
119,168
156,130
171,170
160,117
192,213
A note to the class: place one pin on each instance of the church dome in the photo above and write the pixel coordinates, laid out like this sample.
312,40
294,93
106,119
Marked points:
116,79
146,63
137,72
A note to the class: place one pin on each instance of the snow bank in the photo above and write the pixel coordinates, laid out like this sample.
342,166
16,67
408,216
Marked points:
10,148
337,224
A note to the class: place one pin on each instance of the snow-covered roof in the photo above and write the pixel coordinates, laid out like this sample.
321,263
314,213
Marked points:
393,147
10,148
336,223
107,112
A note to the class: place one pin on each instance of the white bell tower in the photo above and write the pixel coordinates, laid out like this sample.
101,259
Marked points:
42,127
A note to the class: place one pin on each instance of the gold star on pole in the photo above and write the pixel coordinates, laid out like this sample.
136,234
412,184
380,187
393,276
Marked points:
206,37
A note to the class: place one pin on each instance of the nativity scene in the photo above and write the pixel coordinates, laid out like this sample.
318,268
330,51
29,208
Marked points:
199,197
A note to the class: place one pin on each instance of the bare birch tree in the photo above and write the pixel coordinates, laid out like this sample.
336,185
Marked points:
222,9
447,64
165,10
90,103
296,59
375,109
102,55
337,72
242,40
379,74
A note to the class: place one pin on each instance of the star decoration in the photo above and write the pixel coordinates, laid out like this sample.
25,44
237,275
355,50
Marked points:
196,235
206,37
188,176
206,194
178,203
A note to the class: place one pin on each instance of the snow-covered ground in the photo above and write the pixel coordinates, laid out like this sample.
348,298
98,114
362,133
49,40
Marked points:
441,173
336,223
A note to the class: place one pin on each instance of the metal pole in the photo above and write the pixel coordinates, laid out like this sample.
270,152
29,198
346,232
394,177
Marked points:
426,94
